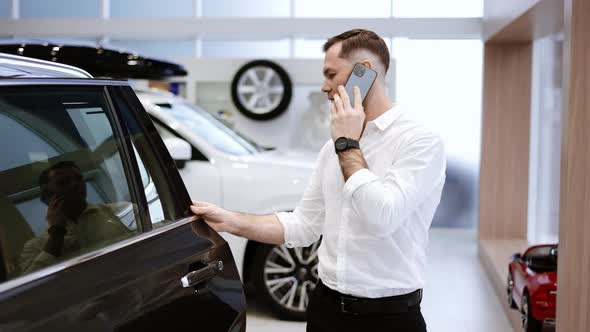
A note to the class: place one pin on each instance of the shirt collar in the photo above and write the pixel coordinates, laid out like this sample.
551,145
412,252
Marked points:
387,118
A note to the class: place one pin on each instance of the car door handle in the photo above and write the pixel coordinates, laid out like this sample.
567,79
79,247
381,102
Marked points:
196,277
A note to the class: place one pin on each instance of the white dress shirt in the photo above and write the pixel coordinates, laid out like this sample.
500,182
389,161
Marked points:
374,226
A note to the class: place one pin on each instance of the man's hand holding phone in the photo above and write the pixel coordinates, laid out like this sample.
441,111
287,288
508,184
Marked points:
55,211
347,118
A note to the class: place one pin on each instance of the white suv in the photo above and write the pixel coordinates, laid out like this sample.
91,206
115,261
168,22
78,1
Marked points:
219,166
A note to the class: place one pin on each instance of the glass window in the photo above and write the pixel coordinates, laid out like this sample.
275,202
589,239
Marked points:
5,9
166,202
439,84
542,259
59,8
309,48
441,81
158,48
152,8
313,48
437,8
64,191
250,8
342,8
245,48
211,130
545,140
151,193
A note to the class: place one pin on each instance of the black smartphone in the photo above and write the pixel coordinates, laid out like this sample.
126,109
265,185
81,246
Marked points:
361,76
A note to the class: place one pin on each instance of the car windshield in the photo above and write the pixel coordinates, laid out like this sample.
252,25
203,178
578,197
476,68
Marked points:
210,129
542,259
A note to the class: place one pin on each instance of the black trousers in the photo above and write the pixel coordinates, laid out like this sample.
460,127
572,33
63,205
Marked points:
324,314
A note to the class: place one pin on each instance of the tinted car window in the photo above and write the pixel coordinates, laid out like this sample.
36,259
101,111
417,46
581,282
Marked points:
157,170
63,188
151,192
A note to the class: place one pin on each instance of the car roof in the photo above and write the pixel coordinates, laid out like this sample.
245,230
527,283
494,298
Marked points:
14,66
101,60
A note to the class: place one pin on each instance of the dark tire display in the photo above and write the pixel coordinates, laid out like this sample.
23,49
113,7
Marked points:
261,90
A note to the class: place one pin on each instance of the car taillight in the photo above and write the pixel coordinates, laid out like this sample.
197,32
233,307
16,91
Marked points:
544,297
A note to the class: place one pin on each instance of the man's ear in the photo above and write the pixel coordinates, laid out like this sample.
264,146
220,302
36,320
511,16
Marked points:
367,63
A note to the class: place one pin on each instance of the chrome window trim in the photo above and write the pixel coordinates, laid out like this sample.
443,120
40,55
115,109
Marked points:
20,281
61,81
33,63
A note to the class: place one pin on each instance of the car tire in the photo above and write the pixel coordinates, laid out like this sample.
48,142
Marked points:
509,290
529,323
284,278
261,90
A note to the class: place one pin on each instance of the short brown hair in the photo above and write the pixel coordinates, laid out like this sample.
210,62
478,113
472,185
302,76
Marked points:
358,39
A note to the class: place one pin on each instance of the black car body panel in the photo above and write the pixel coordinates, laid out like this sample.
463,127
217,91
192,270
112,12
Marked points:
136,285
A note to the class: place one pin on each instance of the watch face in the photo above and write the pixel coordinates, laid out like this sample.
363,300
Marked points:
341,143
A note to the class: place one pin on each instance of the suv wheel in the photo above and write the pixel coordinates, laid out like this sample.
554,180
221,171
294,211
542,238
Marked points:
284,278
261,90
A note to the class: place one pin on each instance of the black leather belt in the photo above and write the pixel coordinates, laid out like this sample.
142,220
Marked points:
367,306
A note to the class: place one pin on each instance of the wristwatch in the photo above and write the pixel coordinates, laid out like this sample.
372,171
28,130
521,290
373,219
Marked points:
345,143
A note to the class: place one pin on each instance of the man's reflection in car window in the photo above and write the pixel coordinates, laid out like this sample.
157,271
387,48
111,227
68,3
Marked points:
73,224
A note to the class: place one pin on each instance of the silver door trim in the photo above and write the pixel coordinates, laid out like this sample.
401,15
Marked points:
61,81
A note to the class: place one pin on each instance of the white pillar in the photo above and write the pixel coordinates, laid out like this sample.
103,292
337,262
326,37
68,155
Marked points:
15,9
105,10
198,6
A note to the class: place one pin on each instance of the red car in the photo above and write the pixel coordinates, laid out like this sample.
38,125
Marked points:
532,285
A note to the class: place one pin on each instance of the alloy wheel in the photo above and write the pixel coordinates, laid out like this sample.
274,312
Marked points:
260,89
290,275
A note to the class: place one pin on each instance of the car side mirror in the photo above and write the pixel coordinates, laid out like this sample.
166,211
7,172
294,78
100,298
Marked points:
179,149
517,256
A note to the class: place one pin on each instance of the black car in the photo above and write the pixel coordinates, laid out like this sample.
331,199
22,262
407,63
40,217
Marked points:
94,58
96,234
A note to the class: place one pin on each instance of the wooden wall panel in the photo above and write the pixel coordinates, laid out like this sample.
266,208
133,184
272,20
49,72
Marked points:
543,19
498,14
573,298
505,141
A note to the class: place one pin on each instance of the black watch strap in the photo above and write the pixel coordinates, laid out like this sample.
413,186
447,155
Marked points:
345,143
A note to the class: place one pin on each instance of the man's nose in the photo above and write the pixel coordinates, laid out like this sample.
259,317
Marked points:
326,88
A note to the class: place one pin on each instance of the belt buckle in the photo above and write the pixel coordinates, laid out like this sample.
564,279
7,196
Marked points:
344,300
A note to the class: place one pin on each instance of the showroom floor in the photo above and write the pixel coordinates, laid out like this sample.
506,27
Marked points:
458,296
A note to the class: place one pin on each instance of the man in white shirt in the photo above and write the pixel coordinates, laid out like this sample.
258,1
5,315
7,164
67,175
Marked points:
372,199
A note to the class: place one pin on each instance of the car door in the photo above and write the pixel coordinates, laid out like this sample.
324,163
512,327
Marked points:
125,262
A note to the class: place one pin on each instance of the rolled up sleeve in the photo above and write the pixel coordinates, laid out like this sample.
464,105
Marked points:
303,226
298,231
385,202
359,178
